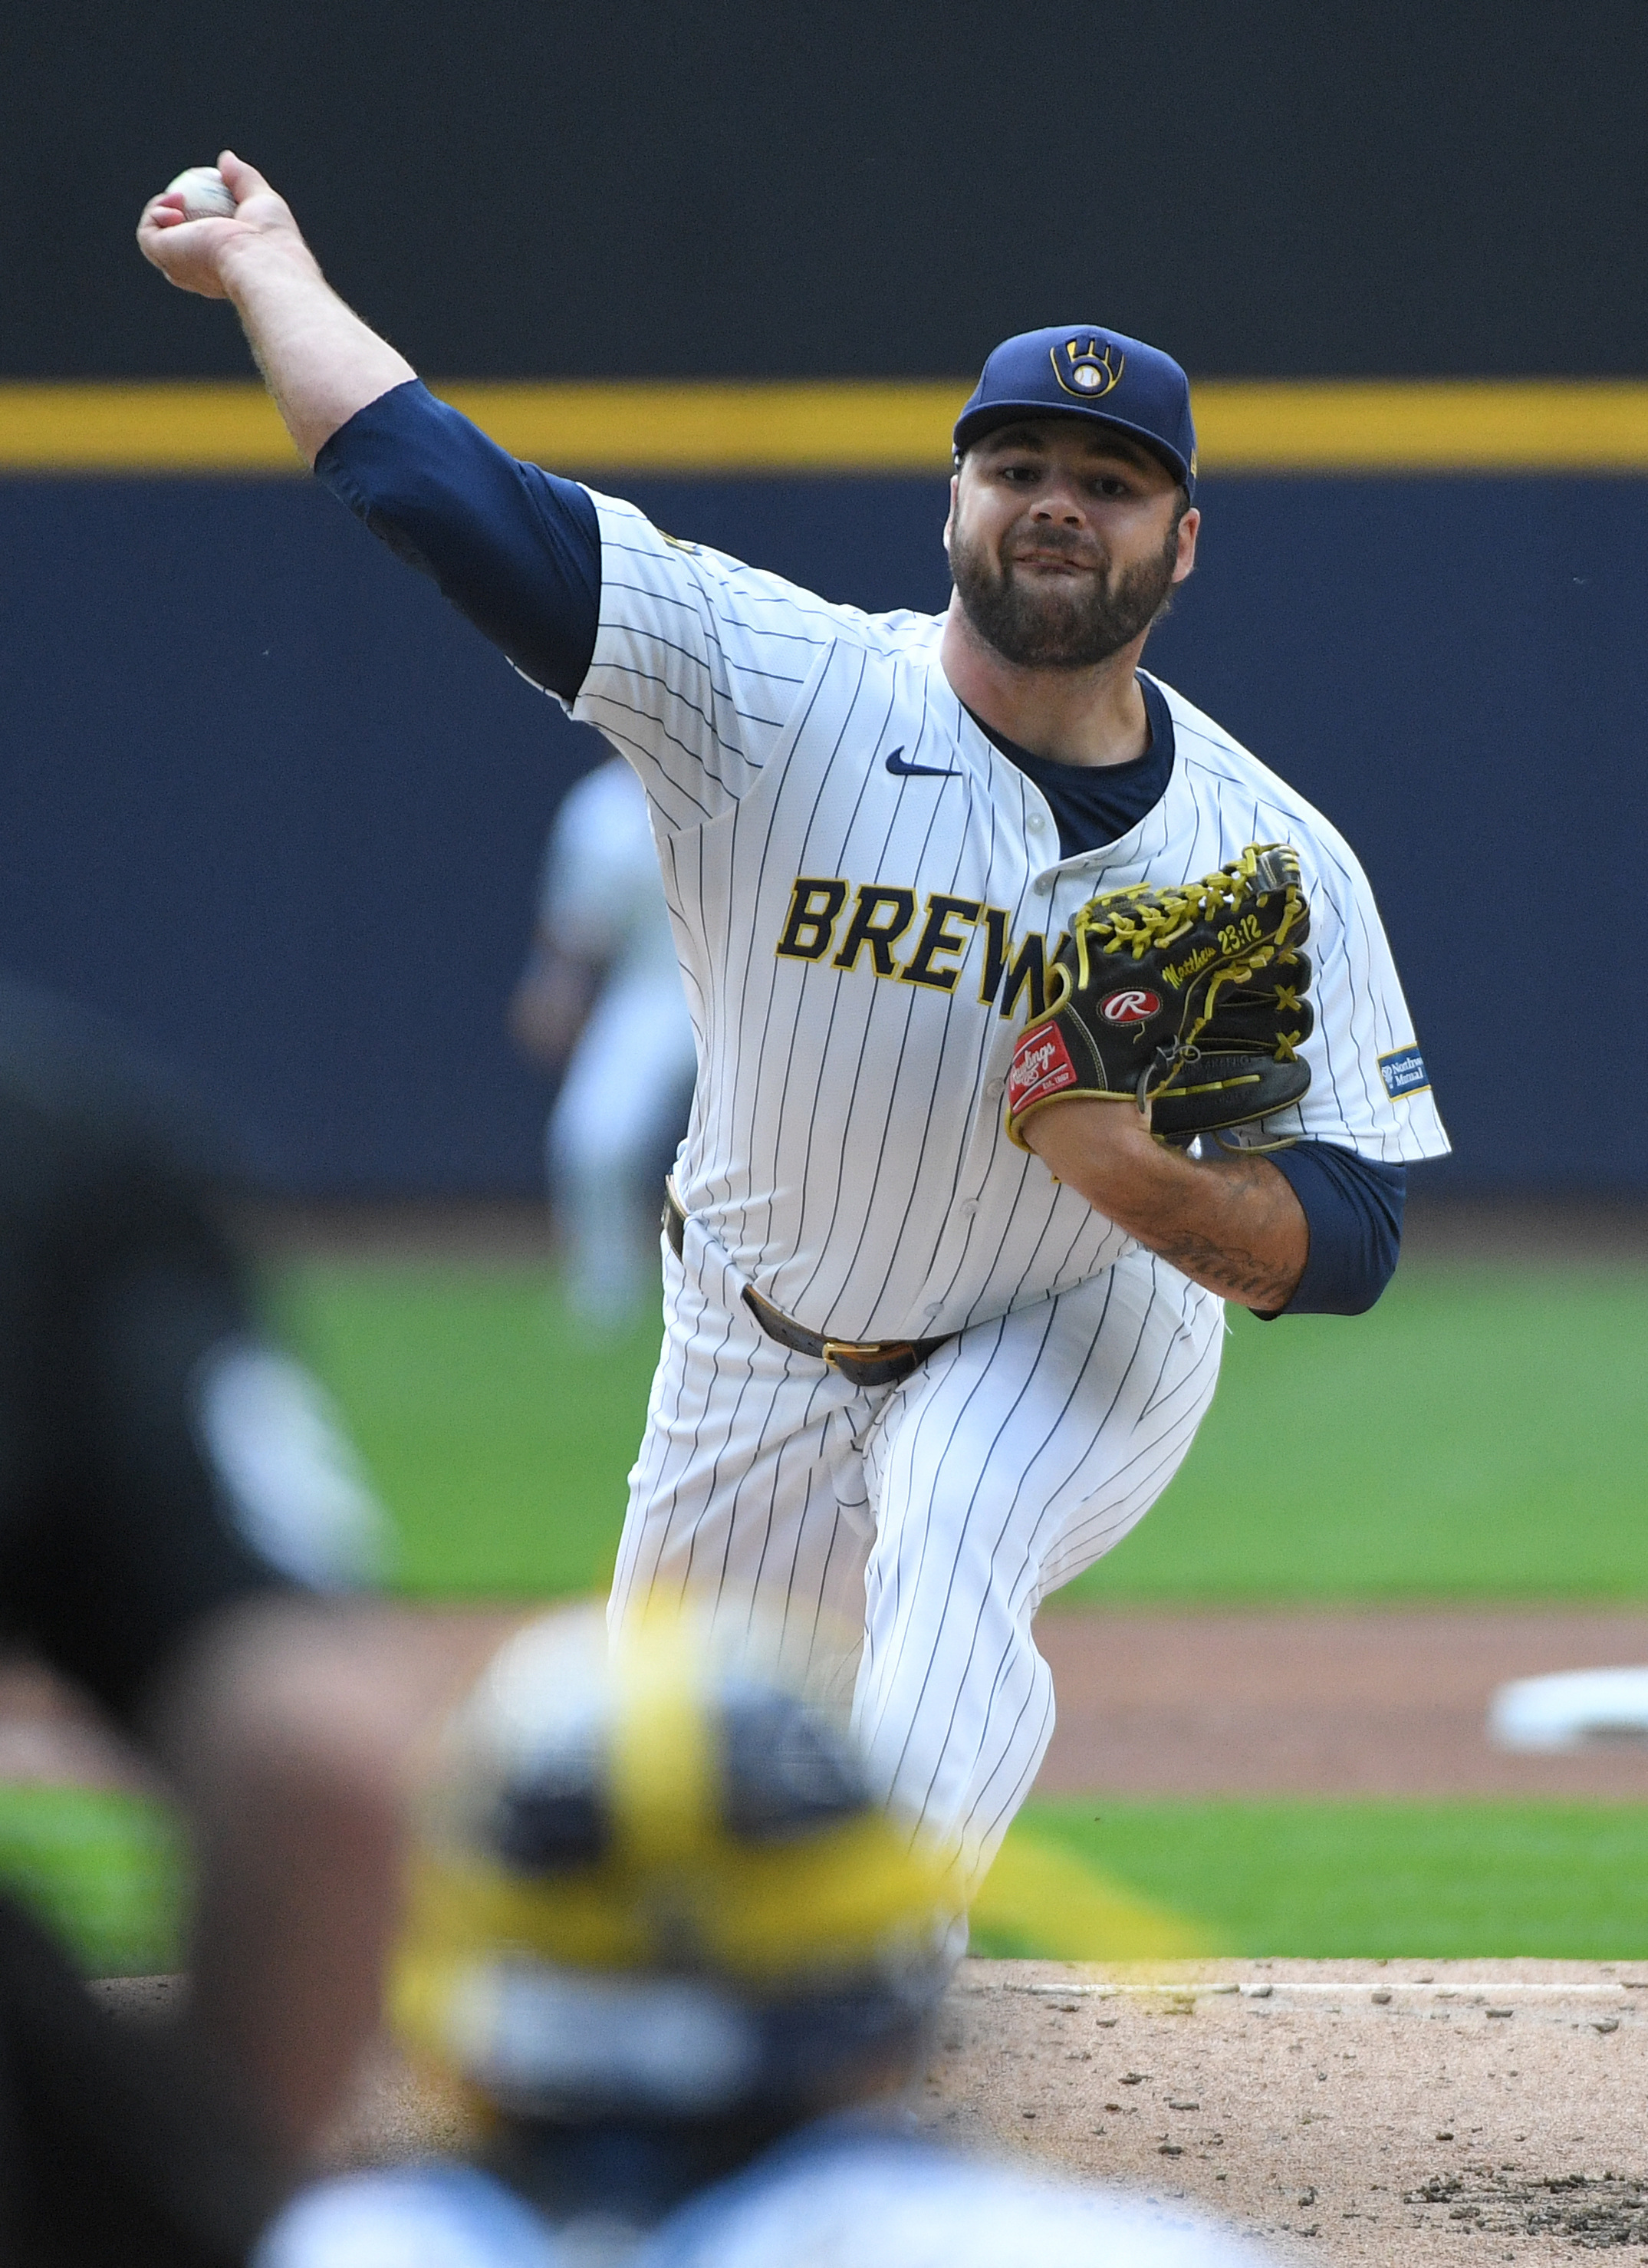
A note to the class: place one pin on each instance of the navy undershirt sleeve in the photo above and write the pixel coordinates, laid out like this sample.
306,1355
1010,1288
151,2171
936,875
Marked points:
1353,1206
516,550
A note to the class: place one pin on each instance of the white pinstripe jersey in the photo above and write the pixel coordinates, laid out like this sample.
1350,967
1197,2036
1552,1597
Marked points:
863,945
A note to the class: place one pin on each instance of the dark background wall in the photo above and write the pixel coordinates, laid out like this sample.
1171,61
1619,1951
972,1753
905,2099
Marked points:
265,797
512,188
269,800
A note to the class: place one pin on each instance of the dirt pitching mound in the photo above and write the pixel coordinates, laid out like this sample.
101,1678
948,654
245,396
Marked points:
1342,2111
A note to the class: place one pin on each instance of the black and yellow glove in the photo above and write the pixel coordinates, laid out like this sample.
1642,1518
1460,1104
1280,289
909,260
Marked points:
1189,1002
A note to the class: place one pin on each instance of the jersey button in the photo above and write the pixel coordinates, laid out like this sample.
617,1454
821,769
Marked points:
1044,886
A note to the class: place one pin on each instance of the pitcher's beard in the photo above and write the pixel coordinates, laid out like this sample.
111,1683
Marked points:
1058,625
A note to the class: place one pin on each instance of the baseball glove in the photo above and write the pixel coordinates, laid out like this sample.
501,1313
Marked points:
1188,1002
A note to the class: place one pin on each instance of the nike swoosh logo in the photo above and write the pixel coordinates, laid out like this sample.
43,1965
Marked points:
900,769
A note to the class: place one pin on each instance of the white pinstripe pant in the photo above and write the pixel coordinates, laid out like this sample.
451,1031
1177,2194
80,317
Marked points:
905,1537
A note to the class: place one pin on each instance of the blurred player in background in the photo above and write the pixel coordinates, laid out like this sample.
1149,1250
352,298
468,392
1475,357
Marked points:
179,1516
600,1000
686,1968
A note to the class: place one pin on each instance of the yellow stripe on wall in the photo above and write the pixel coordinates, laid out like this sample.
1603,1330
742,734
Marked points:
895,426
655,426
1554,425
150,427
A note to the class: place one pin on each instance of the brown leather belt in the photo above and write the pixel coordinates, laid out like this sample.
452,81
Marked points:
875,1362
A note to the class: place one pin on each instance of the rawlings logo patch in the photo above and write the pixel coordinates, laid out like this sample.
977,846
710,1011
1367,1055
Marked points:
1041,1067
1135,1007
1403,1072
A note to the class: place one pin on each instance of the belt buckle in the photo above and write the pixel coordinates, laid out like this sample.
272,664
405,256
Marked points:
836,1351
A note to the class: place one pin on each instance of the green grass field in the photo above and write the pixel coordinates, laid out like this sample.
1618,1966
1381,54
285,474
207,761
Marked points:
1481,1435
498,1432
1079,1879
1318,1880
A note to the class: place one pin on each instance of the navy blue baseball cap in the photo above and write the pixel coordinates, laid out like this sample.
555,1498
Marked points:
1078,370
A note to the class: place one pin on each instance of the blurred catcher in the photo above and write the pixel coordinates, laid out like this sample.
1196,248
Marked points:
680,1963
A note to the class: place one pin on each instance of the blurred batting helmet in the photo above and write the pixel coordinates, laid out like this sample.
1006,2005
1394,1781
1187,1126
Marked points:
651,1883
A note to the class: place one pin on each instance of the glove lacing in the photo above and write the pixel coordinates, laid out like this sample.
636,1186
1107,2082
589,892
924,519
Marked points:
1142,920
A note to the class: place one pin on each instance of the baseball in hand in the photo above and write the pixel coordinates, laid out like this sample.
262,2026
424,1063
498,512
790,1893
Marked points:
206,194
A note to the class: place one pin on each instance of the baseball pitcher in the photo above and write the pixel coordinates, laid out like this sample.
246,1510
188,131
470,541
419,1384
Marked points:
1035,1017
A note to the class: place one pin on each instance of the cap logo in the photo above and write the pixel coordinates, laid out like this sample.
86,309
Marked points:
1084,367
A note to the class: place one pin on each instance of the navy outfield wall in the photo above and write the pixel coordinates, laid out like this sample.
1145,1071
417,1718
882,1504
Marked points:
268,800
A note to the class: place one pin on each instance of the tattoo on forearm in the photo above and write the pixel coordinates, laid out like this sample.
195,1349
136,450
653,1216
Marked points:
1230,1222
1258,1279
1244,1275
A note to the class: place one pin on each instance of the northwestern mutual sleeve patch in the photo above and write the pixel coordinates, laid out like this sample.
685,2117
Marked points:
1403,1072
